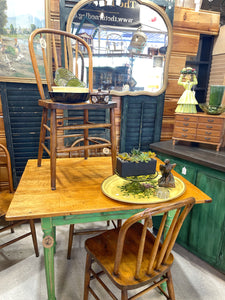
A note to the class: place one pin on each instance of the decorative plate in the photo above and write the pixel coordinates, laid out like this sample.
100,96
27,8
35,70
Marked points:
111,187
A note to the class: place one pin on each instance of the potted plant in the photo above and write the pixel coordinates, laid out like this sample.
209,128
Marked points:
136,163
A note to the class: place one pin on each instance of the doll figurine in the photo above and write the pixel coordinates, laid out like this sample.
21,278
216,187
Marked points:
187,102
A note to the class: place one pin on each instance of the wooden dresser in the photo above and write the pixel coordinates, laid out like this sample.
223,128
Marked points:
200,127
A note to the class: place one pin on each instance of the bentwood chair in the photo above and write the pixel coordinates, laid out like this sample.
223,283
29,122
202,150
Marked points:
67,132
132,256
6,195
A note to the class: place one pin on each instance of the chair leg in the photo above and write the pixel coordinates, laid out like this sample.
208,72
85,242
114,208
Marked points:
34,237
53,145
87,276
170,286
119,223
124,295
42,135
12,229
113,139
70,242
86,142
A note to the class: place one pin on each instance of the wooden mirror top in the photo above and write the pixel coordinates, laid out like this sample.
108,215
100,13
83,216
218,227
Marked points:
130,41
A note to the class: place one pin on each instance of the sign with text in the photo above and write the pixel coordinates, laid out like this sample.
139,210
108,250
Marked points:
127,14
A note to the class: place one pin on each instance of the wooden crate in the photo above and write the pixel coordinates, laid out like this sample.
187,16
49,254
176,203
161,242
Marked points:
204,21
185,42
177,63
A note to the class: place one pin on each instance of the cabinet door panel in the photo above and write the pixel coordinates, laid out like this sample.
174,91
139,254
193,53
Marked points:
207,221
189,173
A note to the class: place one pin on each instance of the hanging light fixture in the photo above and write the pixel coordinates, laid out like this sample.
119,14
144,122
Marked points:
138,42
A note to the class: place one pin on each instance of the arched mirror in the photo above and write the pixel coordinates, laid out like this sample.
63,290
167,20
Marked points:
130,41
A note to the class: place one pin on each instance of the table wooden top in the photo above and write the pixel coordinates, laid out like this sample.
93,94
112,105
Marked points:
78,190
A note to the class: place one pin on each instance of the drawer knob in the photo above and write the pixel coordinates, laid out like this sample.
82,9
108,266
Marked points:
210,120
186,124
186,118
207,138
185,130
208,132
184,135
209,127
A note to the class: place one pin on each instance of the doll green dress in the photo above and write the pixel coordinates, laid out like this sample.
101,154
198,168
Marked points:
187,102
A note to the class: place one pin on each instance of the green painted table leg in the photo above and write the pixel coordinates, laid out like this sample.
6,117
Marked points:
54,236
49,247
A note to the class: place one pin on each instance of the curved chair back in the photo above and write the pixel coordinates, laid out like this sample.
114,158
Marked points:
51,49
133,256
6,196
162,247
6,162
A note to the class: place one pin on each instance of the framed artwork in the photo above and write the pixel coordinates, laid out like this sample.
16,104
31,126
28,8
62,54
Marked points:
17,20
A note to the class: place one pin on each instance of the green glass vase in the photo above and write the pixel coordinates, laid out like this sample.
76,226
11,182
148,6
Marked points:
216,95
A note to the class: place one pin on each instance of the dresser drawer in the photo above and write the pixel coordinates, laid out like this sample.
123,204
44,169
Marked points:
210,120
186,118
184,130
185,124
210,133
184,136
200,128
208,139
210,126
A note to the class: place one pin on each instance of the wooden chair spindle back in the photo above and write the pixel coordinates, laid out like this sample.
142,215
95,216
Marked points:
162,247
59,42
6,158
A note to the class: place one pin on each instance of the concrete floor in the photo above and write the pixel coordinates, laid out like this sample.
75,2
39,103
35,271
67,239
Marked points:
22,275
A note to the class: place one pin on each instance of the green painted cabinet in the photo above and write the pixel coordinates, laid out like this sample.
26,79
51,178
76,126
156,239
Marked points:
203,232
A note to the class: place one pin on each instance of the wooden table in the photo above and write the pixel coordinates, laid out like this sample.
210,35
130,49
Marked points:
77,199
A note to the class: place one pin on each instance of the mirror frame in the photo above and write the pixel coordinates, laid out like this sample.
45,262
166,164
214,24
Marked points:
166,19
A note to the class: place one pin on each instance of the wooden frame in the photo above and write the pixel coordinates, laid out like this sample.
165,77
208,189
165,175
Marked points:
167,21
14,57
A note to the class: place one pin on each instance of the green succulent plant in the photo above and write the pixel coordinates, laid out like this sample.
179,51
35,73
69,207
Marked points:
137,156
